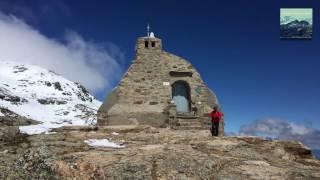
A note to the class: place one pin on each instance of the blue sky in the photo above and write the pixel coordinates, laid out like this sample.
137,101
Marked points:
235,46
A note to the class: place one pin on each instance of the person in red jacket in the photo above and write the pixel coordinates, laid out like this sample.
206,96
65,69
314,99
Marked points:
216,116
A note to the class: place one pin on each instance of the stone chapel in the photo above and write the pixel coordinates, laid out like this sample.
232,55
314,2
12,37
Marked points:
159,89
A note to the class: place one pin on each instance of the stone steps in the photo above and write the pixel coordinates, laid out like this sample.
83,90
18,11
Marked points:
189,123
187,117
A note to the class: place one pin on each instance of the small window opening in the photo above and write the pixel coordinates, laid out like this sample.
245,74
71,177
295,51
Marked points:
146,44
153,44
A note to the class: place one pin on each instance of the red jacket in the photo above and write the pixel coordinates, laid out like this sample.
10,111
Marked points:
216,116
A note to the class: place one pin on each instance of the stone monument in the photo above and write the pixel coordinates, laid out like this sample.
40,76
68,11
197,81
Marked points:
161,90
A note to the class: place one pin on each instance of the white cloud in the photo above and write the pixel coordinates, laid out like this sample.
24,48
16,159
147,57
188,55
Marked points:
273,127
298,129
95,65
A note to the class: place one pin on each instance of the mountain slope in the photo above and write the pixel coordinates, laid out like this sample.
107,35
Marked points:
296,29
44,96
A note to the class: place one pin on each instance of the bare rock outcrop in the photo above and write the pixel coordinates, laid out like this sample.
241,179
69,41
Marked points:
155,153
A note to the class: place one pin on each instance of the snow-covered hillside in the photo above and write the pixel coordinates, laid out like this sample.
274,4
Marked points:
44,96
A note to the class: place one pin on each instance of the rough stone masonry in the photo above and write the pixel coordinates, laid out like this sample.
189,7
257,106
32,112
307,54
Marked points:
159,89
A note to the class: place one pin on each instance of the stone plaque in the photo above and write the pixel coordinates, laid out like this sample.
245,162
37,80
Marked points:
180,74
166,83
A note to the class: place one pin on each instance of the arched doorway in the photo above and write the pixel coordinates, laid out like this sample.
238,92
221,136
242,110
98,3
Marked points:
181,96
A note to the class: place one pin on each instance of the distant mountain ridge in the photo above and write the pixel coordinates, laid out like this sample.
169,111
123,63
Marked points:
44,96
298,23
288,19
296,29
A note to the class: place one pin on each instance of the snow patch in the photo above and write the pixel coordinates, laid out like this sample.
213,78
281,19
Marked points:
102,143
1,114
38,129
46,127
115,133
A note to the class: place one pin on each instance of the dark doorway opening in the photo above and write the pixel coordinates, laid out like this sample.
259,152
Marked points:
181,96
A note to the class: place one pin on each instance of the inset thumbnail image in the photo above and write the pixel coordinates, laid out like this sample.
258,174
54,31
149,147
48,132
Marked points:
296,23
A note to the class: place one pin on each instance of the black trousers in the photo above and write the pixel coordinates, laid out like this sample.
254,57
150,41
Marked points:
215,129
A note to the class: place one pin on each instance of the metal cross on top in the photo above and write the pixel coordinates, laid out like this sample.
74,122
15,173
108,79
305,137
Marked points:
148,30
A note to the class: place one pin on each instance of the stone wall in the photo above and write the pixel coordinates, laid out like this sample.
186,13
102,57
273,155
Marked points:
145,90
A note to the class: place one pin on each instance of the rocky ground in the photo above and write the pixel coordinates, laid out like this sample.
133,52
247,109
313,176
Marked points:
152,153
